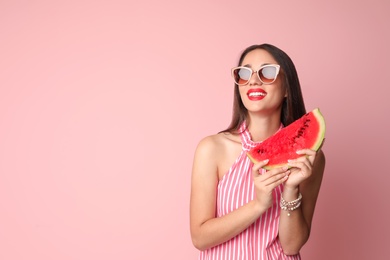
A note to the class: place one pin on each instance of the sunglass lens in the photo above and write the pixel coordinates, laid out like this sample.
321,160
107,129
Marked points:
267,74
242,75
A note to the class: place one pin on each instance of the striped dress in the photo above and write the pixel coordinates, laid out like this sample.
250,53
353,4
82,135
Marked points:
260,240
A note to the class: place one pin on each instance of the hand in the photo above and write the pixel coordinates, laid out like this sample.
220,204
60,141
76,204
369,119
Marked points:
301,168
265,183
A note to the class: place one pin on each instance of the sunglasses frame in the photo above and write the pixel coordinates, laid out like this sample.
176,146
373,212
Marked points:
276,66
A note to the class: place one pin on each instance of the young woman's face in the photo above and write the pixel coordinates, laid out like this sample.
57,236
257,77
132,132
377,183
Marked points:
257,96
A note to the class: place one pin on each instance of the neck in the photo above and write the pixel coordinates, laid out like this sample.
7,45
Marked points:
263,126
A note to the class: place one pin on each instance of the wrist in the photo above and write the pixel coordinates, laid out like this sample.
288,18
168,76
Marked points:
291,199
290,205
290,193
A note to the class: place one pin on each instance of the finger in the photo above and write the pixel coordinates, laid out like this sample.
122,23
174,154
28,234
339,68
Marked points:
308,152
311,154
277,182
275,175
302,159
304,167
257,166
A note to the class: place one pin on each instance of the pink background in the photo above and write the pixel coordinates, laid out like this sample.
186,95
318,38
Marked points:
102,104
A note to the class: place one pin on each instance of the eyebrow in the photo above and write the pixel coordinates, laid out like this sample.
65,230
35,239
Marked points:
250,66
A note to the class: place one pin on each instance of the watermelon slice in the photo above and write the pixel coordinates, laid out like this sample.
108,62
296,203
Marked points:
306,132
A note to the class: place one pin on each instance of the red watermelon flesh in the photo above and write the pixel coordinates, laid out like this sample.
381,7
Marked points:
306,132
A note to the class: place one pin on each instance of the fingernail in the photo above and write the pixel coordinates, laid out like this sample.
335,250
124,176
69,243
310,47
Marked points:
266,161
299,151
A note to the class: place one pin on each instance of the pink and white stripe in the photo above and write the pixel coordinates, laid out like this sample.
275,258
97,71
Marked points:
260,240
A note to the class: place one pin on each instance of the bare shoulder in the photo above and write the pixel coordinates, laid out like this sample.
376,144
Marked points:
217,152
206,164
218,142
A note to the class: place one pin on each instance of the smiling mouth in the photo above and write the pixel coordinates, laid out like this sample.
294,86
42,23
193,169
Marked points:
256,94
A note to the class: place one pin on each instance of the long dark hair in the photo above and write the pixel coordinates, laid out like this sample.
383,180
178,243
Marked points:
293,106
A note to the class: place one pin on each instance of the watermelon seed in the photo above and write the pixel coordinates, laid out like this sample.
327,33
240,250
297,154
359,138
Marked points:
260,151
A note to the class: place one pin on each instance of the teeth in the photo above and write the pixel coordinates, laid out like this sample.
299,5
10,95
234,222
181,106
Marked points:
256,94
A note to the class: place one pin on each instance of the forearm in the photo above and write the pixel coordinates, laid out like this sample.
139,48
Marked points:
218,230
293,228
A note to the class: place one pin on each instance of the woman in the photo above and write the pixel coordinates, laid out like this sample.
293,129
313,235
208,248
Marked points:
236,210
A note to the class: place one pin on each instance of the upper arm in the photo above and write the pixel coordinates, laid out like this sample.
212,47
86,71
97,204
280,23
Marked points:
203,184
311,187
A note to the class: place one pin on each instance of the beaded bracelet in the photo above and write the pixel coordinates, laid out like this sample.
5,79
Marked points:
292,205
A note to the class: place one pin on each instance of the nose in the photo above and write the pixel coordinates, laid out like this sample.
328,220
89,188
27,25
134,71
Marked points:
254,80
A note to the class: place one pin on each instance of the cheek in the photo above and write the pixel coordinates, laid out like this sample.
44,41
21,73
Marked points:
281,89
242,93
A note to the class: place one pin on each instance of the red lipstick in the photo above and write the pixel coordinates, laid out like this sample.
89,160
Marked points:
256,94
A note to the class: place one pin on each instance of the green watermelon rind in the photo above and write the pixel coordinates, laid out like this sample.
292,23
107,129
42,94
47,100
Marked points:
321,135
316,146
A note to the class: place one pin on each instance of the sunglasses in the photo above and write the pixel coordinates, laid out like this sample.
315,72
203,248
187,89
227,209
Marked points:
267,74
